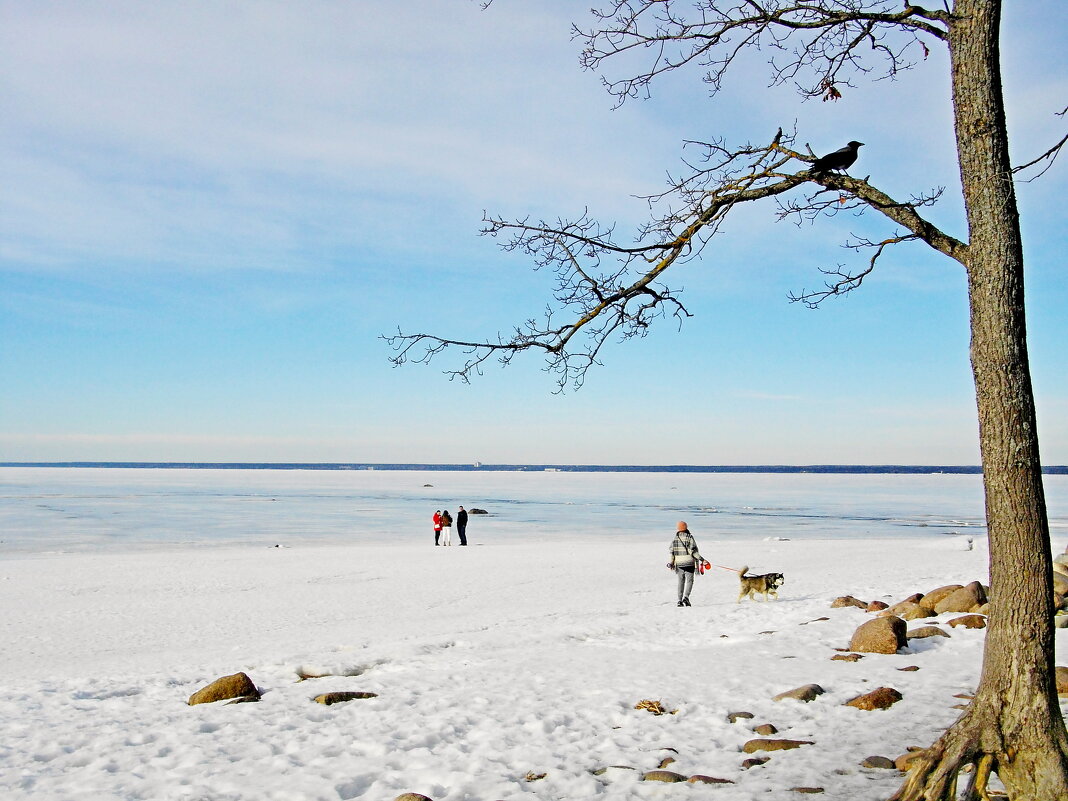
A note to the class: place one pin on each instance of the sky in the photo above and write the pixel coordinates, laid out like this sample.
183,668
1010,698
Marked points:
211,213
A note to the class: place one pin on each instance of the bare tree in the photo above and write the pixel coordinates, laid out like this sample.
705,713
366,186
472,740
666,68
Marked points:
609,288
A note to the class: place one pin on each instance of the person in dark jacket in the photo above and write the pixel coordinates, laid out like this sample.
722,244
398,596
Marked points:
461,525
684,560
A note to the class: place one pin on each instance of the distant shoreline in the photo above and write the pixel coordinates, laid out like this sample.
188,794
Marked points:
534,468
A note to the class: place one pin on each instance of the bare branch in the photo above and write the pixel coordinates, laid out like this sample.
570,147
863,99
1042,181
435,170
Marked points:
820,45
847,280
1049,156
604,289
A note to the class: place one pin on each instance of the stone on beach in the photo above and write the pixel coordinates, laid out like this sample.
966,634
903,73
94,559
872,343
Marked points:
969,622
843,601
806,693
879,698
936,596
883,635
966,599
908,610
239,685
340,697
926,631
662,776
765,744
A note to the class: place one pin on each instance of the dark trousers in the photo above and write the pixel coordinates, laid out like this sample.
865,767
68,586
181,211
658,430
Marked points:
437,536
461,529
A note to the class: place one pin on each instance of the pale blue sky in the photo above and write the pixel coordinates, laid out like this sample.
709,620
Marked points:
210,212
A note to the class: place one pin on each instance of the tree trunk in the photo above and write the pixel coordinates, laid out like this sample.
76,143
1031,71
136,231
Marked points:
1013,727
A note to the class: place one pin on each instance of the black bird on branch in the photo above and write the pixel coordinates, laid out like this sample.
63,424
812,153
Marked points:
838,160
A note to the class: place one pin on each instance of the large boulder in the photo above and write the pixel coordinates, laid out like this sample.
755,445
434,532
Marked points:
238,685
932,599
966,599
908,610
883,635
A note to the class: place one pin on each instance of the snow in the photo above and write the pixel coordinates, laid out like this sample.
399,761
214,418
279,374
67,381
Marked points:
522,654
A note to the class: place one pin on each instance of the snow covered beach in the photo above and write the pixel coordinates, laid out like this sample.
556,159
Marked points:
522,655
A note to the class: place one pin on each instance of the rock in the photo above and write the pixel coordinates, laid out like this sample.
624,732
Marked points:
235,686
764,744
755,762
734,717
1060,583
341,697
665,762
806,693
879,762
1061,621
925,631
877,606
662,776
902,762
700,778
807,790
477,512
244,699
908,610
909,668
765,730
969,622
1060,563
883,635
411,797
963,600
934,597
879,698
847,600
1062,680
847,657
604,770
534,777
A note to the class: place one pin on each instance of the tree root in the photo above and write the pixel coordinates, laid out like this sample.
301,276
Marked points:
933,775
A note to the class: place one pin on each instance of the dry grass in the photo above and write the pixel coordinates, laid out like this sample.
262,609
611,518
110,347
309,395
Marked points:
656,707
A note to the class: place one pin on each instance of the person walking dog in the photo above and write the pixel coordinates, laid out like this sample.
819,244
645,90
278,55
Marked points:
684,560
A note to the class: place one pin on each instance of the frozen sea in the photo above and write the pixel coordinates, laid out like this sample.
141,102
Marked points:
45,509
509,670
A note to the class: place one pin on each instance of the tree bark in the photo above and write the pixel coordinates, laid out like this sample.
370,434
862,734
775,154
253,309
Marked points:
1014,725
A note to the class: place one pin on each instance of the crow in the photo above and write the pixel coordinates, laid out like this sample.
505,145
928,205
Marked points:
838,160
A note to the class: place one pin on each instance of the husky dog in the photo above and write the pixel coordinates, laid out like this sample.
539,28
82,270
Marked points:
765,585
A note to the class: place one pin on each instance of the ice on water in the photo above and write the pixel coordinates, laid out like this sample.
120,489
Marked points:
44,509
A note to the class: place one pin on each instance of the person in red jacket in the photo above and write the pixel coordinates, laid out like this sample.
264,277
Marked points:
437,527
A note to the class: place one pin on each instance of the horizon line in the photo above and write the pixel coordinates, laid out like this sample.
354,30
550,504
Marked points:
536,466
